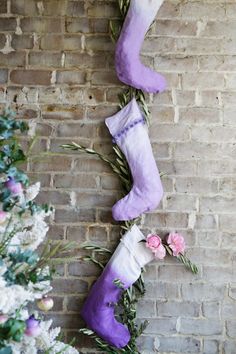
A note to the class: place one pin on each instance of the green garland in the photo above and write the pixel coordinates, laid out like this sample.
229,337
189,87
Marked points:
130,297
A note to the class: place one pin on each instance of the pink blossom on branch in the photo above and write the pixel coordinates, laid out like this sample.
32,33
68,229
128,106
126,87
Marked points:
176,243
154,243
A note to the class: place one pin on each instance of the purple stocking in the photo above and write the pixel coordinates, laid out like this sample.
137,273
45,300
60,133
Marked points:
129,68
129,131
125,265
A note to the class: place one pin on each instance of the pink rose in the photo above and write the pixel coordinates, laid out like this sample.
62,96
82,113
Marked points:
154,243
176,243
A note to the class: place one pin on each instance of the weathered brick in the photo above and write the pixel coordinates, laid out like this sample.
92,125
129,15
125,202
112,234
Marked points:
77,233
99,25
12,59
7,24
104,78
171,219
3,76
75,181
176,28
71,77
179,272
45,59
77,130
162,326
179,345
72,216
81,269
97,234
54,8
166,133
84,60
3,6
75,25
2,40
229,346
198,291
99,43
60,42
75,8
196,185
211,309
180,202
210,346
41,25
59,111
200,327
55,197
74,303
24,7
70,286
174,308
22,42
199,10
206,222
52,164
31,77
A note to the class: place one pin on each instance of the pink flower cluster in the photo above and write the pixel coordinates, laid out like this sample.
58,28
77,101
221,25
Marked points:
174,241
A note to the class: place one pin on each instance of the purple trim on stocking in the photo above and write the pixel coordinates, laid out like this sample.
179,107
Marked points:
124,131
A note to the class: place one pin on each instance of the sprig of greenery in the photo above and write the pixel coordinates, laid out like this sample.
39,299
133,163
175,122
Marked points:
183,259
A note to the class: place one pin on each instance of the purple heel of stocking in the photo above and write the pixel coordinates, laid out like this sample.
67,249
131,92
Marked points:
99,313
129,68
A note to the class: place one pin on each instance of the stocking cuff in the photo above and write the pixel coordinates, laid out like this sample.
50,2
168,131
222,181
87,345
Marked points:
127,118
140,252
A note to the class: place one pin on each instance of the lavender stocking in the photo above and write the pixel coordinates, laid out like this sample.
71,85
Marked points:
129,68
125,264
129,131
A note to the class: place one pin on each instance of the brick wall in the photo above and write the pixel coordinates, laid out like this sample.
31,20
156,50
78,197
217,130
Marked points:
57,70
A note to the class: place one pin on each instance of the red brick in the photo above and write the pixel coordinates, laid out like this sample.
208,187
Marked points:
7,24
71,77
60,42
22,42
31,77
12,59
45,59
41,25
